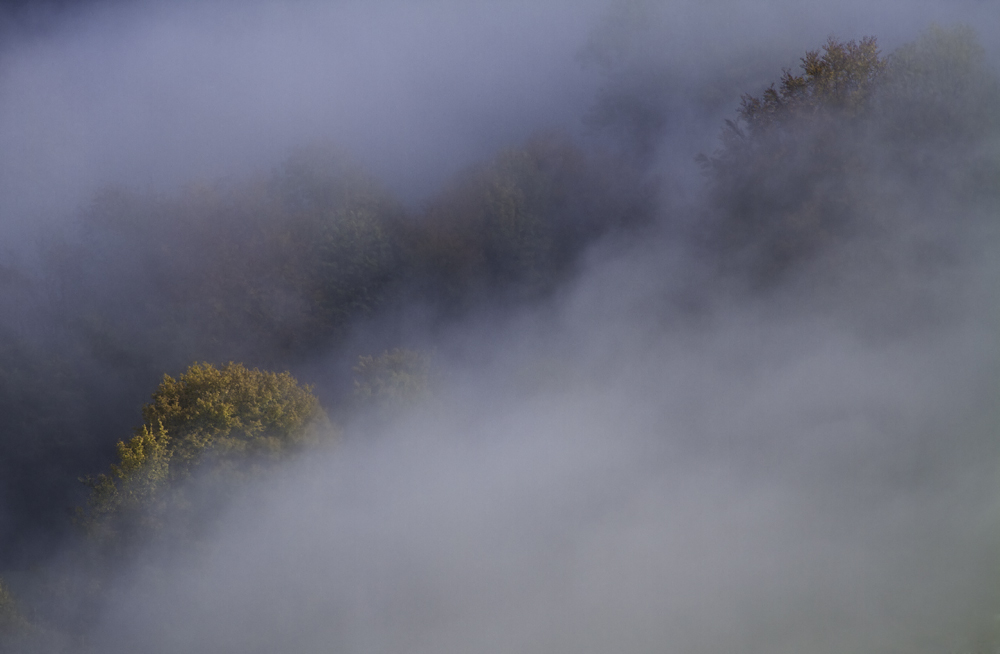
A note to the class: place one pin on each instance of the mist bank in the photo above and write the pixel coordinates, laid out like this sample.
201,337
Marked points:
305,269
155,96
765,477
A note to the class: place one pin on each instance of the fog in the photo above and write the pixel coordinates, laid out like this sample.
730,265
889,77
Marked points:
160,94
657,455
754,482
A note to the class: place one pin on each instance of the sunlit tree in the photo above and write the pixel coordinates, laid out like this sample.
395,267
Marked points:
230,419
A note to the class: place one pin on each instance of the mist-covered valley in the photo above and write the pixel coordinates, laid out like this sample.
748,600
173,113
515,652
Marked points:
451,326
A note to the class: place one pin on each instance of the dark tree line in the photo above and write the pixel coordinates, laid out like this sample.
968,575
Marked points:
270,272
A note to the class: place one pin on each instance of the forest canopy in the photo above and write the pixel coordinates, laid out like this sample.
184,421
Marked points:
227,420
803,165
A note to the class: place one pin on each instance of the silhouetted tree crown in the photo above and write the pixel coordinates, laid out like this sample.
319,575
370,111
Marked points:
809,163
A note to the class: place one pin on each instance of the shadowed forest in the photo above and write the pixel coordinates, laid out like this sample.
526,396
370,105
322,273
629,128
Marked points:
171,358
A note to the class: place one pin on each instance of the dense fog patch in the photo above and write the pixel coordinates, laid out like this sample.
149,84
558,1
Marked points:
686,497
158,95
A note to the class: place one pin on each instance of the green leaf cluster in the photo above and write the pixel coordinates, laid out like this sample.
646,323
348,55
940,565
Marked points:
229,419
231,412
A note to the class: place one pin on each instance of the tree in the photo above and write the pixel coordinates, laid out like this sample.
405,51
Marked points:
858,144
342,233
231,412
780,182
13,624
394,378
511,228
838,83
131,495
261,269
939,90
492,230
229,419
939,114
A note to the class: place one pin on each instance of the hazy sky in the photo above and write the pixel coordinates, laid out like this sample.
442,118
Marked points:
152,94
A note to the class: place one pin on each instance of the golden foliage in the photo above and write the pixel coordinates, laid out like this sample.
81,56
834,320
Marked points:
229,416
839,80
233,411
